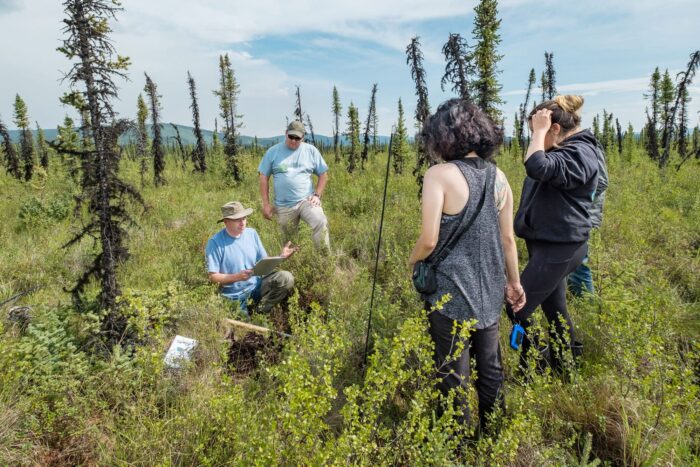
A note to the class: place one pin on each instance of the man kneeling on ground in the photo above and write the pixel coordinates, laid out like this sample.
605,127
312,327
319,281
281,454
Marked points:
231,255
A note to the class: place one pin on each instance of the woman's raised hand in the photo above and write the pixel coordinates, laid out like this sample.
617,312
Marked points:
541,120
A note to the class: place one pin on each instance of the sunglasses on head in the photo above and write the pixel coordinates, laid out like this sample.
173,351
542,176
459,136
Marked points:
295,138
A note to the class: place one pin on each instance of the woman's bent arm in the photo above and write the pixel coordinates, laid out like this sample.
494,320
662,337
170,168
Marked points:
433,199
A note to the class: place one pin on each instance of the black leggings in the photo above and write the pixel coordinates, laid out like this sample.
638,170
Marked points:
544,282
452,372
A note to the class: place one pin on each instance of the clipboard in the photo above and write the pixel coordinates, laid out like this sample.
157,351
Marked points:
266,265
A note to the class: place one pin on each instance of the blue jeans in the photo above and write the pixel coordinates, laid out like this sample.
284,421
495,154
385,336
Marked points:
581,279
253,295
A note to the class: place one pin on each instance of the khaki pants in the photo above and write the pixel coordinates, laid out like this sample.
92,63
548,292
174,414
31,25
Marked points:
274,288
288,219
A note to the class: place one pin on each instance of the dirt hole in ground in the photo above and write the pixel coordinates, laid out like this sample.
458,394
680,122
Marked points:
248,351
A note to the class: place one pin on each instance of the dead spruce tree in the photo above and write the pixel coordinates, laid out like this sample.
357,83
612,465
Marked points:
11,159
310,127
685,78
26,142
522,111
458,66
414,59
368,126
551,81
157,146
228,101
92,82
199,151
337,109
298,113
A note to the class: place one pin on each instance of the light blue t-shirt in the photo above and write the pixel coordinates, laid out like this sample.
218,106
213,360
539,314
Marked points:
291,171
229,255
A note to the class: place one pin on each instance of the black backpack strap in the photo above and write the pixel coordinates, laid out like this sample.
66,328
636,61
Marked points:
457,234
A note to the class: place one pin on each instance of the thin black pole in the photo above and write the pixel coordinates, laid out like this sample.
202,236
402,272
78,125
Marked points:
379,243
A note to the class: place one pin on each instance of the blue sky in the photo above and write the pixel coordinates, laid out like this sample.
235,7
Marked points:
603,50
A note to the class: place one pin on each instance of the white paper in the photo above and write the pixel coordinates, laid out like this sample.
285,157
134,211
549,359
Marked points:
180,351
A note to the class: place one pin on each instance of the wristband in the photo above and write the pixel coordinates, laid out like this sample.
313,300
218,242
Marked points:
316,194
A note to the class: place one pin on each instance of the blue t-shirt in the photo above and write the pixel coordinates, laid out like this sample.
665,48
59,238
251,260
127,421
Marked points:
229,255
291,171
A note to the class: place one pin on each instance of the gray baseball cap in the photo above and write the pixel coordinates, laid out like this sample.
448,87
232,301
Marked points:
296,128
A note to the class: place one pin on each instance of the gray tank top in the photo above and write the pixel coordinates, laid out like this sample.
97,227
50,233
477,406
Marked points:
474,271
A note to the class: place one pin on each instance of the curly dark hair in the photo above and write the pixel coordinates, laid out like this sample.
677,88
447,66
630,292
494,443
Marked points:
459,127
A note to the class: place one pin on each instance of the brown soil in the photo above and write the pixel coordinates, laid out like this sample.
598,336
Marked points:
246,353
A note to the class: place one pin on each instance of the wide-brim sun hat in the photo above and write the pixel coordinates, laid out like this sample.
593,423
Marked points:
234,210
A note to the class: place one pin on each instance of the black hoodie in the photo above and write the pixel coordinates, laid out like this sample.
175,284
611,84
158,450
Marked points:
558,191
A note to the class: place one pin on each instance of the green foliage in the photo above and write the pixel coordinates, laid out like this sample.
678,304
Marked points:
399,148
35,212
66,399
486,86
353,134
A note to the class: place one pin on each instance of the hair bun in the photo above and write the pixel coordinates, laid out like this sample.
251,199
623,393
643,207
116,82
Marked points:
569,103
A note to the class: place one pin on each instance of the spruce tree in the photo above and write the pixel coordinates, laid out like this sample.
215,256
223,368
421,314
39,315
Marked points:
685,78
683,124
629,145
141,136
42,147
399,143
544,86
215,144
607,131
68,136
666,96
486,57
459,68
414,59
298,112
92,81
353,135
157,146
551,81
368,126
651,128
228,104
515,147
696,142
11,159
619,136
531,80
199,152
26,142
337,109
374,125
596,128
310,127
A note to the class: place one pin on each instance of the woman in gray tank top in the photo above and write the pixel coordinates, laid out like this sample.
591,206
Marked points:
482,267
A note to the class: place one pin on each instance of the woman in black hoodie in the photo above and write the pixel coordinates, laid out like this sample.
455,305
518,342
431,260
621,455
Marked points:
553,217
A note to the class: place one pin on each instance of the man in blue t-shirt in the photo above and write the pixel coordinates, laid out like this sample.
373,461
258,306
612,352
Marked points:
291,165
231,254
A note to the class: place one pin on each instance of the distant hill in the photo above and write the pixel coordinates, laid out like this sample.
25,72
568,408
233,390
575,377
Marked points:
188,138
